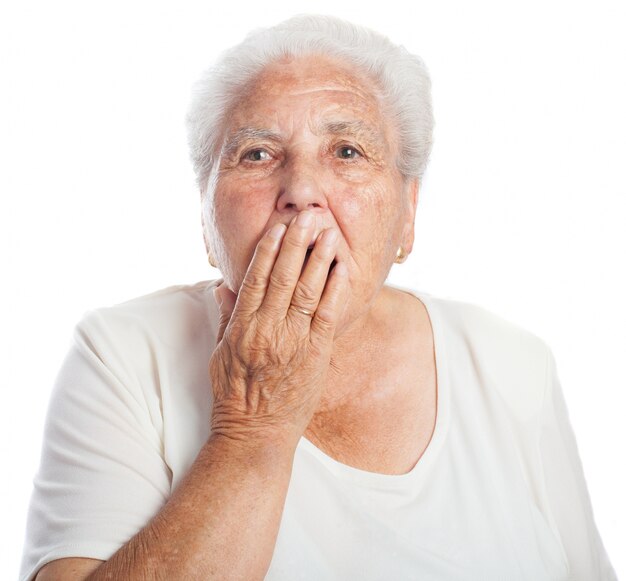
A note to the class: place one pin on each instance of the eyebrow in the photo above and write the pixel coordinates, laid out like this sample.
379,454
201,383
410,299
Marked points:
355,128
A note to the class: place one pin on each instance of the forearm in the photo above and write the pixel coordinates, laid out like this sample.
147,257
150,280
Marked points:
220,523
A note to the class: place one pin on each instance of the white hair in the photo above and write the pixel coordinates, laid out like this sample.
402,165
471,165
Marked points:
402,80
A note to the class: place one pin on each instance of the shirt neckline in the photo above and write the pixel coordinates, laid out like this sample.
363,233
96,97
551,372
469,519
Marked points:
412,479
418,472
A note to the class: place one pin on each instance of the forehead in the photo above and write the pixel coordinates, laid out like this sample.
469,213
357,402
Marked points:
331,95
312,72
308,79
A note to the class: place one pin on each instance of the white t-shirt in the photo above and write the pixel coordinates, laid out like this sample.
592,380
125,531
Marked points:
499,494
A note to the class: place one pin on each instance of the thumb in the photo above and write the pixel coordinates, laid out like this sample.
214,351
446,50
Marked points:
225,300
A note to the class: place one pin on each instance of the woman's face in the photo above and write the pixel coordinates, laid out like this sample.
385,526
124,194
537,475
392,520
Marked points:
309,134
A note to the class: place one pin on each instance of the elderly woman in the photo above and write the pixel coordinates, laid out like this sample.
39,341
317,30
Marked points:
299,418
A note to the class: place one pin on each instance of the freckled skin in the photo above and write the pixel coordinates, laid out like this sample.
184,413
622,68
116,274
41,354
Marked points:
362,196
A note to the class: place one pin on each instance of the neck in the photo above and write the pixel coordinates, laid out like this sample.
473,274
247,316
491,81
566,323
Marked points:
357,345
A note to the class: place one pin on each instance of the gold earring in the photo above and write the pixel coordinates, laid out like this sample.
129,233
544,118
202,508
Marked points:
400,255
211,259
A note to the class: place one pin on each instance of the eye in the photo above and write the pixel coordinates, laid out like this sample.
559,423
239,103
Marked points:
348,152
255,155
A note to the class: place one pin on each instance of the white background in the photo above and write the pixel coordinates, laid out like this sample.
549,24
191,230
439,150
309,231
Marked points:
522,209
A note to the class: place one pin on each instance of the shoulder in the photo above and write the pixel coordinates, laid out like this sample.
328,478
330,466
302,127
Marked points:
503,355
488,330
481,327
171,308
172,318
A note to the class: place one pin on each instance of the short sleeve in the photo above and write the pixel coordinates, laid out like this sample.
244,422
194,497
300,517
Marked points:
566,488
102,475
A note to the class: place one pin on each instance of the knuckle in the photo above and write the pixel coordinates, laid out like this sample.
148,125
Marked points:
264,247
236,331
268,316
304,294
254,281
281,280
324,320
293,242
266,242
322,256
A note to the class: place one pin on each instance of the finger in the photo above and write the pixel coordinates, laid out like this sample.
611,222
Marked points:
225,299
288,265
331,306
311,284
255,283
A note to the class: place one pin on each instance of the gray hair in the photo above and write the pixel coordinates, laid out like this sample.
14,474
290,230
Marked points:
402,79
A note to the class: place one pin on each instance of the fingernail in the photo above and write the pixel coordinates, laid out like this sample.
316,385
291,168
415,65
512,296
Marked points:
276,231
305,219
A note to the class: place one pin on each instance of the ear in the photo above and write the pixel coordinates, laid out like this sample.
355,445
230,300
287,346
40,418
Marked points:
411,196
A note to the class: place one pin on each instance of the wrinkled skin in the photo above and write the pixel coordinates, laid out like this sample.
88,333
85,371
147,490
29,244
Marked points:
272,362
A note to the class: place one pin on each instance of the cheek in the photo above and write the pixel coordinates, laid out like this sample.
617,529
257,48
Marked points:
366,212
241,215
242,200
348,209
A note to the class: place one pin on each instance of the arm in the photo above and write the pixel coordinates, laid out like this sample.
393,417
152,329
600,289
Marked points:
69,568
221,523
267,374
566,488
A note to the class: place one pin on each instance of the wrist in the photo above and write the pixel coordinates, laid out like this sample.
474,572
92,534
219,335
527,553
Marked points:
257,448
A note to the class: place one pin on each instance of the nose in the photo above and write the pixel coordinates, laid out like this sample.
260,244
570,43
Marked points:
301,188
